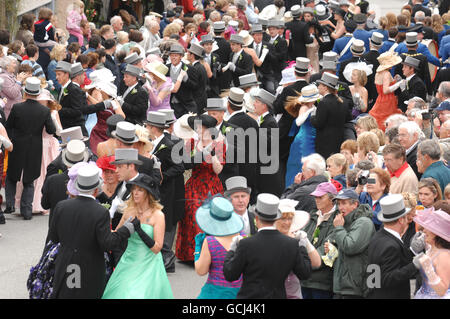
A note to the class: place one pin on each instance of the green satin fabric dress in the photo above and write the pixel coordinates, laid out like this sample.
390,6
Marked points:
140,274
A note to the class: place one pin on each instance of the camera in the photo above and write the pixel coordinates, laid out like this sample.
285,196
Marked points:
363,177
426,116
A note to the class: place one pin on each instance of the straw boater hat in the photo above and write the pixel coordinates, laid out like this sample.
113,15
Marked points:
392,208
388,60
182,129
217,218
310,93
158,69
301,218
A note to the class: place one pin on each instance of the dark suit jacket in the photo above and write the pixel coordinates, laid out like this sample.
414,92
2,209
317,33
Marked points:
185,94
213,88
415,87
230,168
244,65
224,53
135,105
82,227
54,190
329,122
395,261
74,107
278,56
24,126
371,57
200,90
265,260
265,68
299,38
170,172
411,159
423,72
269,183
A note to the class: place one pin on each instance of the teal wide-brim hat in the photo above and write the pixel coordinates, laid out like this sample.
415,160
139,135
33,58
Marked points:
217,218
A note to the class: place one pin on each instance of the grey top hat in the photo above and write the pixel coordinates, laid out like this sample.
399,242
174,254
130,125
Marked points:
132,58
392,208
358,47
263,22
360,18
76,69
236,97
133,70
411,39
157,119
412,62
207,38
273,23
236,184
344,3
170,116
88,179
302,65
196,50
63,66
329,56
296,10
72,133
265,97
125,132
256,28
377,39
33,86
75,152
126,156
155,51
176,48
248,80
215,104
329,65
267,207
219,26
308,10
329,80
237,39
322,13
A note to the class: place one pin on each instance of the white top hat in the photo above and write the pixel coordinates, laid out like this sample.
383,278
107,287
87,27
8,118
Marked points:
392,208
267,207
75,152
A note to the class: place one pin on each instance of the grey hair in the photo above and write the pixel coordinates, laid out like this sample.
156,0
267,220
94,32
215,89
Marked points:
444,89
430,148
412,128
115,19
316,163
148,20
396,119
5,61
419,16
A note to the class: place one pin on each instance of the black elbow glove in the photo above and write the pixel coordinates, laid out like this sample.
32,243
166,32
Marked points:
145,238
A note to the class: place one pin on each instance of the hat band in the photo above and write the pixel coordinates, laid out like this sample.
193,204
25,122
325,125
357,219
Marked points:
397,214
89,186
301,70
310,96
70,161
234,102
31,91
128,139
264,215
222,218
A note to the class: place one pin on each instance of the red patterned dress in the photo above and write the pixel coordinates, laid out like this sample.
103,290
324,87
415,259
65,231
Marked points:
202,182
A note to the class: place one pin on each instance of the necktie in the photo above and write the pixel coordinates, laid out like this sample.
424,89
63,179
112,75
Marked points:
258,49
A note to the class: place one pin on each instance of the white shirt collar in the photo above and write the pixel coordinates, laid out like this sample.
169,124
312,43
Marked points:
246,221
235,112
393,232
132,179
156,142
264,114
267,228
410,77
88,196
66,85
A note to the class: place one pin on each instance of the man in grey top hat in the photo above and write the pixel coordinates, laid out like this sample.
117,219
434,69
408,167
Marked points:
376,41
412,85
134,99
213,60
262,63
82,226
260,260
300,35
241,63
224,53
277,56
24,126
185,79
389,252
195,56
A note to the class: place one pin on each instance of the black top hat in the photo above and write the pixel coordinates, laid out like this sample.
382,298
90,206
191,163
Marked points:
350,26
203,119
146,182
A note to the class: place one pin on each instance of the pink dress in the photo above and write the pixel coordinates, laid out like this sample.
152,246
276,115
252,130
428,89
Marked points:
50,151
155,104
73,24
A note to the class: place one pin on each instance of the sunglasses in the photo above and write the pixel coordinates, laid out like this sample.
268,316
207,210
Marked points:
371,181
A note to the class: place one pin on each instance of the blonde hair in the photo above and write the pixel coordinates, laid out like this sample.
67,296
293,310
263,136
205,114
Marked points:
362,77
368,142
410,200
436,23
122,36
143,135
380,135
383,22
171,28
58,52
367,123
130,205
339,160
392,20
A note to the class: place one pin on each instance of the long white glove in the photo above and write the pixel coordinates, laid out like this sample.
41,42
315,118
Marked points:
302,238
403,85
265,51
57,125
302,117
5,142
395,86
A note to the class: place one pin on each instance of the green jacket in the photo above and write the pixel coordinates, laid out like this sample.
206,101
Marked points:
352,241
322,277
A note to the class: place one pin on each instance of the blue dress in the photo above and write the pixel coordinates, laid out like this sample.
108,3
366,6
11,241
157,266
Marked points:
426,292
304,144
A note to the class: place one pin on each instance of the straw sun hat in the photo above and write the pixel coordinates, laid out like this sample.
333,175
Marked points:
388,60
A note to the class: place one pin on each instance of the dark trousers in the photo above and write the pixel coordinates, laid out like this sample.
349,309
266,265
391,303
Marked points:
166,250
312,293
26,200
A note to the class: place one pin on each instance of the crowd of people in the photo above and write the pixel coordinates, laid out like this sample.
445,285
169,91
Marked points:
283,148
